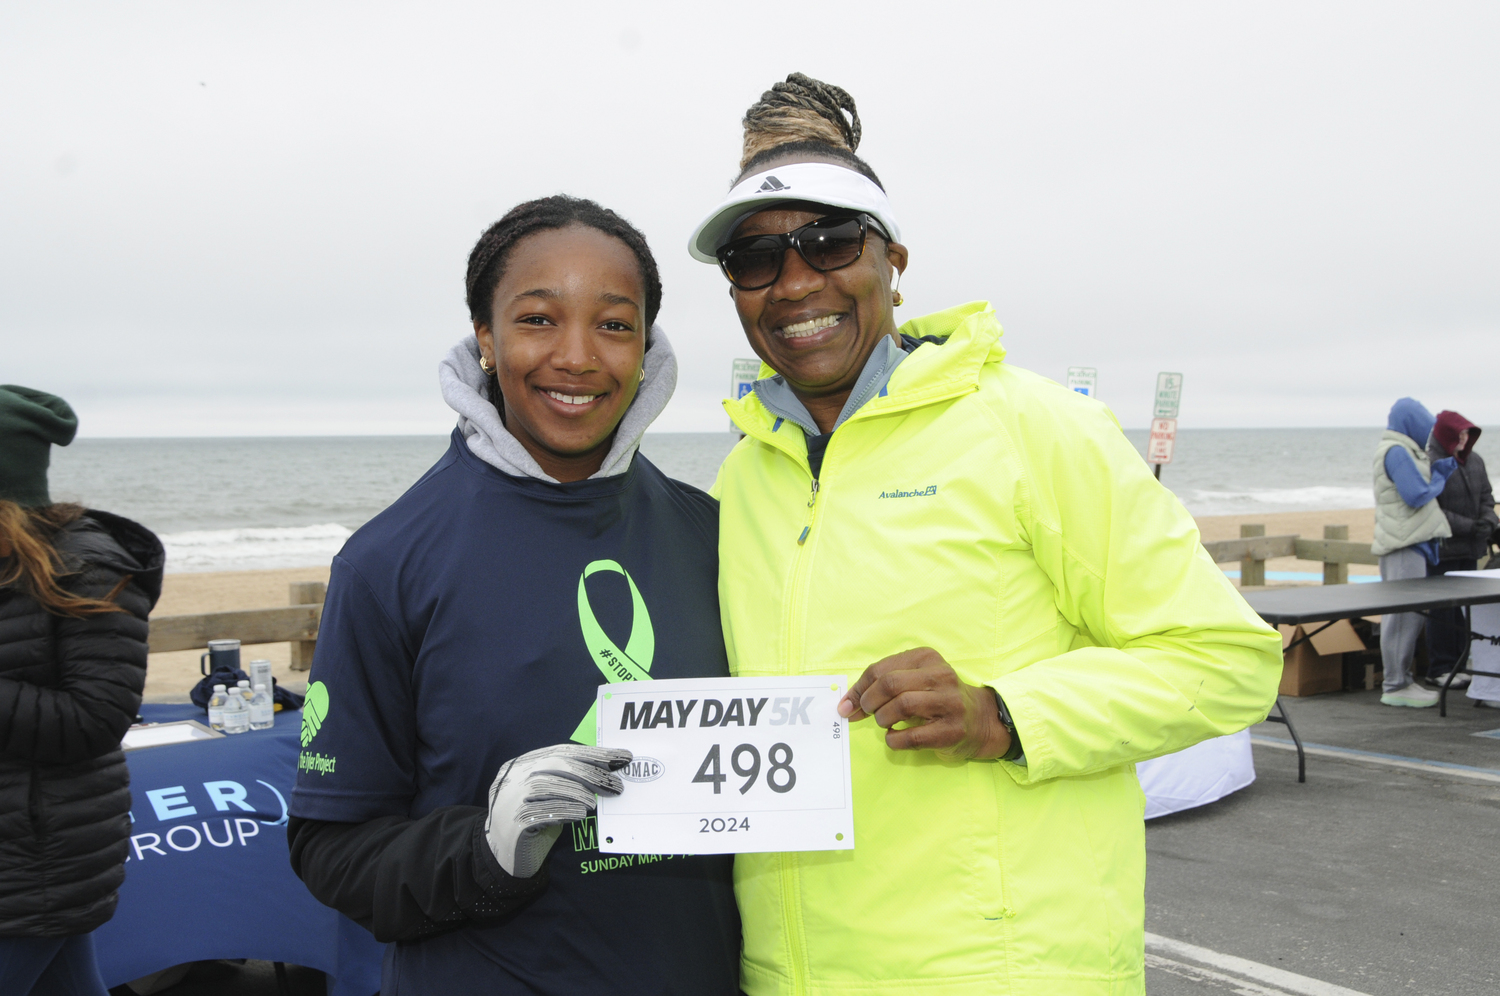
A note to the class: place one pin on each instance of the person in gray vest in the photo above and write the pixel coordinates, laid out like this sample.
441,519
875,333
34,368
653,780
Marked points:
1408,527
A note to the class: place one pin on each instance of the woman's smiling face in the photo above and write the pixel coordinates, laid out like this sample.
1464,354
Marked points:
818,329
567,336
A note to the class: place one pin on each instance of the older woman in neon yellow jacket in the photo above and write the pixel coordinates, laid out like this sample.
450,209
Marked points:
1021,608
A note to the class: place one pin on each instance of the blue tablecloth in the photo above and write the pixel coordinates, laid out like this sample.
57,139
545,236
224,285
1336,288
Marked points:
208,875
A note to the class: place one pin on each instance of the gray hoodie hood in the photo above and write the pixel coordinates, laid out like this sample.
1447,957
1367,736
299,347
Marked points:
465,388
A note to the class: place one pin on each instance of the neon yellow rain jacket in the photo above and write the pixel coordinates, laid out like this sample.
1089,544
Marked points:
1006,522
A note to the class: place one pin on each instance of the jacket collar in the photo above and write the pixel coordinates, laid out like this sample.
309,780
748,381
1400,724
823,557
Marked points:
931,374
780,400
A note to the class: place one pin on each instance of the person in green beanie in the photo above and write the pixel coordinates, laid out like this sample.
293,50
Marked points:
31,423
76,587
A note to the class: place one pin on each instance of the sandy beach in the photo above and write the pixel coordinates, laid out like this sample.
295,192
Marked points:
171,676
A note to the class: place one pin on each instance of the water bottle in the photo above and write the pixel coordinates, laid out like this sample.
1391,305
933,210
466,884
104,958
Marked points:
243,687
236,711
262,709
216,708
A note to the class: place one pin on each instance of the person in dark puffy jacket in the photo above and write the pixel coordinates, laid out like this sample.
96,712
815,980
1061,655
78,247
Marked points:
1468,503
76,587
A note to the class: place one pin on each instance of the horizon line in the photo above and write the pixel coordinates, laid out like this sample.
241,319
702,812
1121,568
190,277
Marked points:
683,432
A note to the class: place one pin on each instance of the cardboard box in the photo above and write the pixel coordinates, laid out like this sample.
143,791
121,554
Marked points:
1317,665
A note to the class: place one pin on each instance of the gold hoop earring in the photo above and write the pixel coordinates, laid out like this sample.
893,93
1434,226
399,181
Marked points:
896,297
489,371
642,378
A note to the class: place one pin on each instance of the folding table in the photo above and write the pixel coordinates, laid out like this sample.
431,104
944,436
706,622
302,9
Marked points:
1328,604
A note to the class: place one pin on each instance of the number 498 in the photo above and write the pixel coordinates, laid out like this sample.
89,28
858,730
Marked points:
781,767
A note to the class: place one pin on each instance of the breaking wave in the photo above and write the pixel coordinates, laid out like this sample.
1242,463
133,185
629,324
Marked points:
250,549
1311,499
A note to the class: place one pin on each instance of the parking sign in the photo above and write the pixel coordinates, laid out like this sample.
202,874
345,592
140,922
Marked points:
1168,395
742,377
1163,440
1084,380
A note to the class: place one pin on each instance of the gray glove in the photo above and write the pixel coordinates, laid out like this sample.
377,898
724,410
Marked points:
533,795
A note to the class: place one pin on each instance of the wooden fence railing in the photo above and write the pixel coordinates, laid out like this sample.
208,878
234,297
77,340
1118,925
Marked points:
1254,548
298,622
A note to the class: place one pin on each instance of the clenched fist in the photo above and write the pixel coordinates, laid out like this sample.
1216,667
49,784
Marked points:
946,714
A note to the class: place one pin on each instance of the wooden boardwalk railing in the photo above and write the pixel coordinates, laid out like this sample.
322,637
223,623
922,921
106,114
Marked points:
298,622
192,632
1254,548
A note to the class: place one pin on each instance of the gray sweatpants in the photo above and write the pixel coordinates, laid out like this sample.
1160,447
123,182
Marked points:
1399,630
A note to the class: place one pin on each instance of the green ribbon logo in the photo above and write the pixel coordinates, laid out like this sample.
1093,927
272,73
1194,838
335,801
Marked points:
631,664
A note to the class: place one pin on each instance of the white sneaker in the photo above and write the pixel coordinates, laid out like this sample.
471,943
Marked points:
1413,695
1459,680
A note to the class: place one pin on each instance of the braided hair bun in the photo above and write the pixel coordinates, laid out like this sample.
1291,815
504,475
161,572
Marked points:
803,116
801,109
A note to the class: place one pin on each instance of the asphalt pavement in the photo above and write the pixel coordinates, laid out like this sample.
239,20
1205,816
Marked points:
1373,877
1357,720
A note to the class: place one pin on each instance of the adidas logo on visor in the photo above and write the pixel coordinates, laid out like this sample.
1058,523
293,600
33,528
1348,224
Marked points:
771,186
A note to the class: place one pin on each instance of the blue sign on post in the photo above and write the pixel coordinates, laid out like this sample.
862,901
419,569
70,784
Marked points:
742,377
1084,380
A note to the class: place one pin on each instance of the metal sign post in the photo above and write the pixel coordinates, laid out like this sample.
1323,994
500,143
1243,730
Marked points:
1084,380
1164,420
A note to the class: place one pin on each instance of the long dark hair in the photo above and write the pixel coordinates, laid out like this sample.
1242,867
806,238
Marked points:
30,562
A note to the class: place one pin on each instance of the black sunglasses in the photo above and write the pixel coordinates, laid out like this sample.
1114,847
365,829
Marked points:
831,243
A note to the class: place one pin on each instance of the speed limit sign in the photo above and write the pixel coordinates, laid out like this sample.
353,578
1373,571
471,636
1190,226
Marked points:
727,765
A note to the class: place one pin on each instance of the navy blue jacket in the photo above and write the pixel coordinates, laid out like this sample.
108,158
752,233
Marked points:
459,632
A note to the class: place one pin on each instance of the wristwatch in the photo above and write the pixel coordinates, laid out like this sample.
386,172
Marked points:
1015,751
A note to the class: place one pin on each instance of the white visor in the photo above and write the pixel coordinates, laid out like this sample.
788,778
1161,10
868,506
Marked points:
818,183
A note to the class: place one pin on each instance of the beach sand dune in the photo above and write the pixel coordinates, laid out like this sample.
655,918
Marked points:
171,676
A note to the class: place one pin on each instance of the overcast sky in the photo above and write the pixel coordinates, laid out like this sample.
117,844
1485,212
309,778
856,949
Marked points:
253,219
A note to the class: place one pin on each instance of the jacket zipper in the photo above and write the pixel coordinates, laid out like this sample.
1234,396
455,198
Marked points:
807,527
793,622
792,619
791,916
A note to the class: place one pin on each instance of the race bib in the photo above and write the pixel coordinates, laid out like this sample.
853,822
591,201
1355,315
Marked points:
727,765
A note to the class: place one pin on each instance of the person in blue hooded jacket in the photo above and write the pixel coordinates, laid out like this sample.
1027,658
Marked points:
1408,527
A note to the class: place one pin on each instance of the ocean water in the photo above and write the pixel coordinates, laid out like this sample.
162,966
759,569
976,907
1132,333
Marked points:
246,504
